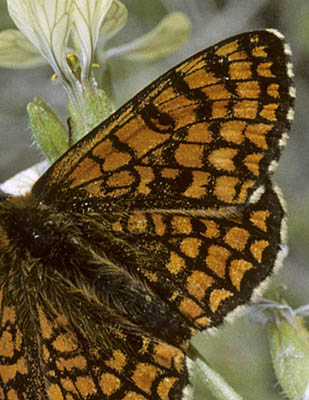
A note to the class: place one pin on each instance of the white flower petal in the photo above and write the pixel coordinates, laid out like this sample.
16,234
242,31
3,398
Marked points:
22,182
114,21
87,19
46,23
20,12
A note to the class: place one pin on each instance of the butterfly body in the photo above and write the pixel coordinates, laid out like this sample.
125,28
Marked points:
158,224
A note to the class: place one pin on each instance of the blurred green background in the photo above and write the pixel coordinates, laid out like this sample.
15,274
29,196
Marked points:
239,350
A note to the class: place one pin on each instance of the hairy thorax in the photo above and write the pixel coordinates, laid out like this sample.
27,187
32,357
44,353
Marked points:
76,268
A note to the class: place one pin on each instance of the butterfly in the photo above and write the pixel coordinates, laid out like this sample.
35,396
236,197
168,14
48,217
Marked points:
158,224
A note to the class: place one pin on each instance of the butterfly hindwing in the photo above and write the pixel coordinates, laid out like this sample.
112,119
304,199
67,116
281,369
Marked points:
59,364
206,264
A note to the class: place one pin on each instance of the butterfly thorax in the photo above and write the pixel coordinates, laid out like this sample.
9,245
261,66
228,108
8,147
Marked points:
55,262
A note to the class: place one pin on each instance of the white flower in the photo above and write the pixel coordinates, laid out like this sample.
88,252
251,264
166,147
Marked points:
22,182
70,35
50,24
47,24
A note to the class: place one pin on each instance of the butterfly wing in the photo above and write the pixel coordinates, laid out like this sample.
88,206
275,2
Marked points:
203,135
57,363
207,264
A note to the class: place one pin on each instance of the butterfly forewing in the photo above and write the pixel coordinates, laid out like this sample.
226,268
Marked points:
202,135
159,223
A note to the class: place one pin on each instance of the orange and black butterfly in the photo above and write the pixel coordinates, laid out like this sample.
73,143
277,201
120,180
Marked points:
156,225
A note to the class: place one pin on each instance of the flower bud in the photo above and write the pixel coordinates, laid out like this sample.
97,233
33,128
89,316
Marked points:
48,130
289,345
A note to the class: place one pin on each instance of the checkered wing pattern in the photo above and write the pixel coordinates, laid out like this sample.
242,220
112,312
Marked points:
203,135
159,223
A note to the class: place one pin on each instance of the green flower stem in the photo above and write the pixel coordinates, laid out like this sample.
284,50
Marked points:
96,107
211,379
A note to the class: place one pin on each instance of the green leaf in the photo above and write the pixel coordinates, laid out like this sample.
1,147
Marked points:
210,378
